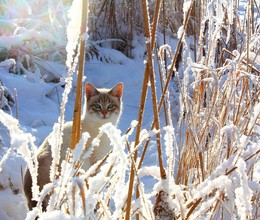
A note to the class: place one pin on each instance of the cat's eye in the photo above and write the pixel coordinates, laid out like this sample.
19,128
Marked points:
97,106
110,106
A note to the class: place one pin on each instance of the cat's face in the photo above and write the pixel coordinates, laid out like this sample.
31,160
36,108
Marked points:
104,104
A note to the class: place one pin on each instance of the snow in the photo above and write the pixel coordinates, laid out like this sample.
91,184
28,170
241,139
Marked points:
180,32
243,193
28,35
186,6
57,215
73,31
12,207
40,112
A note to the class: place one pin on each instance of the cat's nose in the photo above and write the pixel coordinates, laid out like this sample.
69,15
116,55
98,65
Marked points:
104,114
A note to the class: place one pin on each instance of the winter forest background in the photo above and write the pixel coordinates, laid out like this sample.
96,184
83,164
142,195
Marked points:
187,145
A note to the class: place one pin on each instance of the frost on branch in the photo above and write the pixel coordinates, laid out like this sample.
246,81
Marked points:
73,32
24,144
243,192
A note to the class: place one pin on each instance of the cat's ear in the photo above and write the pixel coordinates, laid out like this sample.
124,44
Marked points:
91,90
117,90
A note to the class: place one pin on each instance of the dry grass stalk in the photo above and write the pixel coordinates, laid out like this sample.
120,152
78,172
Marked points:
161,83
162,208
225,107
233,55
77,106
75,136
150,46
83,197
229,103
138,130
73,192
154,96
169,78
177,51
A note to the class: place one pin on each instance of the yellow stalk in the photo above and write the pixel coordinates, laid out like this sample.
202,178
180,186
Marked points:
143,97
75,135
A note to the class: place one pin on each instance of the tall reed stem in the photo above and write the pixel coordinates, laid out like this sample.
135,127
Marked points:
75,136
150,44
171,74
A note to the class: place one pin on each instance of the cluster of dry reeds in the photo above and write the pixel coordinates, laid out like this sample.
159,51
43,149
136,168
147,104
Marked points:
116,23
213,161
208,168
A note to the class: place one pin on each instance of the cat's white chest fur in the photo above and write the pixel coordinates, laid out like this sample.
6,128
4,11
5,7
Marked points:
97,114
93,128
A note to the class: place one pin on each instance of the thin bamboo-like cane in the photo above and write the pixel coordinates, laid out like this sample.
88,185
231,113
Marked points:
151,41
171,74
75,135
155,111
154,100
